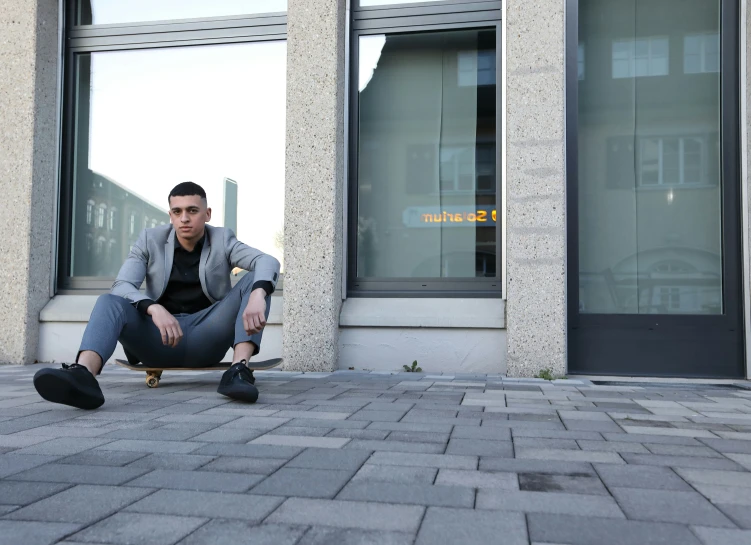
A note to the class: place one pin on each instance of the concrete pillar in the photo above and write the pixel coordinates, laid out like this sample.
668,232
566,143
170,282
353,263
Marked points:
313,208
535,187
28,83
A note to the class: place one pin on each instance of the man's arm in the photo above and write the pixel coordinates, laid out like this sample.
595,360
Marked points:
133,272
265,267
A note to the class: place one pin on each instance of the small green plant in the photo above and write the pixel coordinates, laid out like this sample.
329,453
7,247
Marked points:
546,374
413,369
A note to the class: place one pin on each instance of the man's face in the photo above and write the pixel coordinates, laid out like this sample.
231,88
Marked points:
188,216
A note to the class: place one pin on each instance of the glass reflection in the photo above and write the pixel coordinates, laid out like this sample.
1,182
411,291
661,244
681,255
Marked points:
107,12
427,155
149,119
650,185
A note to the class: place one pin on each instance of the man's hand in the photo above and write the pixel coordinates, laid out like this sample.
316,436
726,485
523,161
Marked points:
167,324
254,315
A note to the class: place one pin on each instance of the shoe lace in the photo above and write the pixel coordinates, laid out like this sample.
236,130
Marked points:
243,371
73,366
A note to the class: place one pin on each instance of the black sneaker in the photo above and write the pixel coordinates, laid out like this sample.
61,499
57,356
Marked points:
237,383
72,385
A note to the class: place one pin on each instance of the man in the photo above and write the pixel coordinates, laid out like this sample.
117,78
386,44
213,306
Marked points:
189,316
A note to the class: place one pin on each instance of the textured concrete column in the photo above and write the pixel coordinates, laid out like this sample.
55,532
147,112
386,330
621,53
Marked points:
28,76
314,183
535,187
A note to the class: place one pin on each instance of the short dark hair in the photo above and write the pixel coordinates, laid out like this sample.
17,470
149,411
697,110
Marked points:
185,189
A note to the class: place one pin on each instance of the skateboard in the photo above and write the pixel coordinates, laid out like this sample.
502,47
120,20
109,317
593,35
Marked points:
154,374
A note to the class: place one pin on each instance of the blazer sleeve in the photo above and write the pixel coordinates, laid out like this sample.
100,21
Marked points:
133,272
264,266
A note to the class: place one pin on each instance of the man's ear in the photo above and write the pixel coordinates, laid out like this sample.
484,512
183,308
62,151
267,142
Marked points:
208,214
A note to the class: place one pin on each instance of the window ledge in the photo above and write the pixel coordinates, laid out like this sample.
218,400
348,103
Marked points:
419,312
77,308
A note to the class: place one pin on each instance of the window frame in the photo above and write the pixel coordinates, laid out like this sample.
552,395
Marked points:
440,16
78,39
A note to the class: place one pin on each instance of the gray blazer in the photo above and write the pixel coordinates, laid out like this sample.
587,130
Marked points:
150,259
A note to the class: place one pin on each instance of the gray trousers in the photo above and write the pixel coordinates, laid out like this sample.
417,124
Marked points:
207,335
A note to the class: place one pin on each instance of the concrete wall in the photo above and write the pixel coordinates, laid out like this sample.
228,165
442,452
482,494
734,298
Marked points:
28,82
313,204
535,187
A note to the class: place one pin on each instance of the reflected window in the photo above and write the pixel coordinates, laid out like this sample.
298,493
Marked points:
640,57
701,53
107,12
426,179
151,118
672,161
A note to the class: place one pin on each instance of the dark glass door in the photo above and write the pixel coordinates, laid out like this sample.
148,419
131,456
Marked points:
654,222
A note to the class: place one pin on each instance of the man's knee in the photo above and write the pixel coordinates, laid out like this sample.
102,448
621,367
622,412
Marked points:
108,301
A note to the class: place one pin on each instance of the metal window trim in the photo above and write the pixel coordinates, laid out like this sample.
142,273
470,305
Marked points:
455,5
411,10
176,25
426,22
744,173
422,287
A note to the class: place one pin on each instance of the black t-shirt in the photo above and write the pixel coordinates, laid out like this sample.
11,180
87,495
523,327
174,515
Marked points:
184,294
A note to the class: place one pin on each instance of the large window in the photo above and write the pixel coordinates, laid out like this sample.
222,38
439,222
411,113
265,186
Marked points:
425,210
140,120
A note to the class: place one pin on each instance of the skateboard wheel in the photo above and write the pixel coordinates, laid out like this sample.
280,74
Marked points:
152,381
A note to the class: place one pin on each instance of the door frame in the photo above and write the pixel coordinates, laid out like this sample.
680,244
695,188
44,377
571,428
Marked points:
654,329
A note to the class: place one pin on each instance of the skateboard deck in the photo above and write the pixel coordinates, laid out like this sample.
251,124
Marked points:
154,374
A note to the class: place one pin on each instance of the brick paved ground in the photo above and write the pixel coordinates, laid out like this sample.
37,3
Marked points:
357,458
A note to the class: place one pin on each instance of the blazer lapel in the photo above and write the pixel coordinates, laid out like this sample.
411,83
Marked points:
169,254
202,264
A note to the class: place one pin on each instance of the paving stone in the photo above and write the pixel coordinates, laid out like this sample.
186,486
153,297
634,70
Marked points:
257,466
484,433
652,439
15,532
11,463
239,532
308,483
681,461
591,425
376,435
419,437
378,416
164,447
65,473
315,458
713,536
468,527
127,528
348,536
172,461
669,506
250,508
102,458
615,446
396,474
83,503
417,494
210,481
18,441
301,441
396,446
729,446
23,493
556,434
722,478
534,466
740,514
569,455
448,461
665,432
580,530
548,502
582,483
349,514
542,443
480,447
738,495
307,432
250,451
742,459
333,424
477,479
634,476
410,426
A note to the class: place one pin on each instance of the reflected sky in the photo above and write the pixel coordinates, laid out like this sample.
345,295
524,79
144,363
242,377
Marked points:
161,117
104,12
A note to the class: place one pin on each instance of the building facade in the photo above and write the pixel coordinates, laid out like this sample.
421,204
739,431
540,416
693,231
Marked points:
479,185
